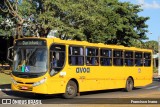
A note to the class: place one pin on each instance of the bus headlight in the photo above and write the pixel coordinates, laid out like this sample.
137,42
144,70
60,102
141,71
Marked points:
13,81
40,82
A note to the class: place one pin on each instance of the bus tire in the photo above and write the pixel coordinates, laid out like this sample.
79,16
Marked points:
129,85
71,90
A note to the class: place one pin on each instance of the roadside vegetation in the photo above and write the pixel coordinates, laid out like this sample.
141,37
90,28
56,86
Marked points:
5,79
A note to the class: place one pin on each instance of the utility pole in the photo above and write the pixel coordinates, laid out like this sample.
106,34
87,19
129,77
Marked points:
159,56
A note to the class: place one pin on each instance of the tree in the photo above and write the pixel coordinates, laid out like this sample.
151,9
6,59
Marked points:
151,45
105,21
137,43
10,7
80,20
18,12
132,27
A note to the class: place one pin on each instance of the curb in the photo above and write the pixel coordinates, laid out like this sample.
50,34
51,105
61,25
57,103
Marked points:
6,89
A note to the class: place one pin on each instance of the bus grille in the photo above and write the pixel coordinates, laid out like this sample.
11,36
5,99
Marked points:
24,83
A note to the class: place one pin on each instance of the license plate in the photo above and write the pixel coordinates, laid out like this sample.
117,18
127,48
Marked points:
24,88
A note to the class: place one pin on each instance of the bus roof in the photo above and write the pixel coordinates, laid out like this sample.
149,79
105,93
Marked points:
100,45
85,43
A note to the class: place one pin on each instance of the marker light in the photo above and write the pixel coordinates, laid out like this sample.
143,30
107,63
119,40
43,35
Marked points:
40,82
15,82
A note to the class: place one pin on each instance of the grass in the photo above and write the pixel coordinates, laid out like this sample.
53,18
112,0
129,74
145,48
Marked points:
5,79
155,70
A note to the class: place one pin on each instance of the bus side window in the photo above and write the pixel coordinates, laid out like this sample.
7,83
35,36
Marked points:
138,62
73,60
138,59
147,59
92,56
80,60
118,57
76,55
129,62
94,61
54,61
106,57
118,61
128,55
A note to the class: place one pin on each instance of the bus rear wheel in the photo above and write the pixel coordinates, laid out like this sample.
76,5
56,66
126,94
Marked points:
129,84
71,90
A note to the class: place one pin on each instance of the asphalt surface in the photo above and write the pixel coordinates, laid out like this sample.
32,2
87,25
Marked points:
149,93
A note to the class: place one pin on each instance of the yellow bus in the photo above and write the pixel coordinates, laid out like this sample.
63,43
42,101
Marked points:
68,67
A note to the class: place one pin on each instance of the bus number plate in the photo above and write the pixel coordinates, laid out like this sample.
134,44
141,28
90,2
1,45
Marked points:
24,88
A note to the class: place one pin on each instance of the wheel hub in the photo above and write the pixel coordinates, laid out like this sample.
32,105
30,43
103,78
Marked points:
70,90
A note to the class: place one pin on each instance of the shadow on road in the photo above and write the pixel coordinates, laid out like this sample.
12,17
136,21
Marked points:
107,91
5,86
156,79
29,95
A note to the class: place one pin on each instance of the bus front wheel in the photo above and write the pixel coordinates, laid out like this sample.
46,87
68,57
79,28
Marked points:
129,84
71,90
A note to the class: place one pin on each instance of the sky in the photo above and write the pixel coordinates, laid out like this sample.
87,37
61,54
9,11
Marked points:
151,8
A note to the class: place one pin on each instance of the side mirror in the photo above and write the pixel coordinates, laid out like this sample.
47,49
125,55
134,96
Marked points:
53,72
10,54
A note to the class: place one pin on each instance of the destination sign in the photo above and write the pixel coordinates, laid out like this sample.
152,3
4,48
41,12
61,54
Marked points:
30,42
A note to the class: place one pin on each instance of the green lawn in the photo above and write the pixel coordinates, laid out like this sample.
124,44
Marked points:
4,79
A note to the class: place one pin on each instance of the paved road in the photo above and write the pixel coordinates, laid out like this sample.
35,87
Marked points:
99,97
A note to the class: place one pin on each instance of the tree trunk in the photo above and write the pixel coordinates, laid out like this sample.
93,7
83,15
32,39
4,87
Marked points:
154,62
19,31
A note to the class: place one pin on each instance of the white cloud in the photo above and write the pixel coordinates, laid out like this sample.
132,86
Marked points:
152,5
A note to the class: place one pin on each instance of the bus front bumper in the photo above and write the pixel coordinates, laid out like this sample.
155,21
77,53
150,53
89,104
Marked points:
41,89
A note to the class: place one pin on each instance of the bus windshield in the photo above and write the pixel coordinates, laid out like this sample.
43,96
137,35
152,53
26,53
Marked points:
30,60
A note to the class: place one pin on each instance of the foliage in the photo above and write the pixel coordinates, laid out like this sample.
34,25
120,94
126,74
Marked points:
155,70
146,45
106,21
132,27
6,27
4,79
151,45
